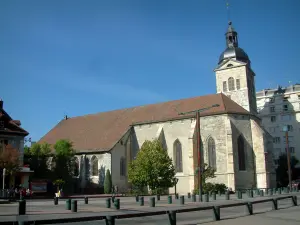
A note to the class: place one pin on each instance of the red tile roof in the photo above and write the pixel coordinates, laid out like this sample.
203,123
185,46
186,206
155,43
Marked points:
101,131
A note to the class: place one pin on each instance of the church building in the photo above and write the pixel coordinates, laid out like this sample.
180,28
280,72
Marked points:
233,140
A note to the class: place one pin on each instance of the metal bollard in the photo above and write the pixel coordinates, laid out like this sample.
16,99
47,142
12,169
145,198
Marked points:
261,193
141,201
55,200
251,193
206,197
113,199
152,202
22,207
110,220
193,198
172,217
117,203
181,200
214,196
68,204
216,213
108,203
250,208
227,195
271,192
158,197
74,206
137,198
240,195
170,199
176,196
189,195
86,200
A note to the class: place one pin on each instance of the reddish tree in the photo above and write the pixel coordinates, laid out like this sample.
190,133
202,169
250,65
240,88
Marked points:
9,158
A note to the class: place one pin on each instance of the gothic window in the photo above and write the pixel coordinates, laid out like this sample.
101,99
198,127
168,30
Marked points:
178,156
76,167
122,167
212,161
241,153
238,85
95,168
230,84
224,86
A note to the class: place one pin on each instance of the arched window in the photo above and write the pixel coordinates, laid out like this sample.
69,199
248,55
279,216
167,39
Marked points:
230,84
95,168
76,167
177,156
241,153
212,161
122,167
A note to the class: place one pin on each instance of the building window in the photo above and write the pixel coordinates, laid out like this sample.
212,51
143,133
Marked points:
292,149
1,125
291,138
224,86
231,84
276,140
272,100
95,167
273,118
238,85
285,107
241,154
290,127
285,117
272,109
272,129
178,156
212,161
122,167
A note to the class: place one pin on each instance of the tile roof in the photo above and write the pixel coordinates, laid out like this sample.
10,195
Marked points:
101,131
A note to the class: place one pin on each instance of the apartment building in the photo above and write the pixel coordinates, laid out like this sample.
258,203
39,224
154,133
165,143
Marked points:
279,107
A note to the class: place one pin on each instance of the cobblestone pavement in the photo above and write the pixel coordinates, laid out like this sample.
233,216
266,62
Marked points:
45,209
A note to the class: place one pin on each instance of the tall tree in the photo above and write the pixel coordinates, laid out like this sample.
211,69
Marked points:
282,169
64,160
152,167
37,157
107,183
9,159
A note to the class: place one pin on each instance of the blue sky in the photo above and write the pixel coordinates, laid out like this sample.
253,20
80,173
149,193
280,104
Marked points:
80,57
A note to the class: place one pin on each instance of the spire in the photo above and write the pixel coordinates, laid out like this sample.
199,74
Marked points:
231,37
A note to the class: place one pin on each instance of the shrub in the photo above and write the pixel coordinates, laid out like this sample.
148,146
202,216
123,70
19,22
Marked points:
107,183
210,187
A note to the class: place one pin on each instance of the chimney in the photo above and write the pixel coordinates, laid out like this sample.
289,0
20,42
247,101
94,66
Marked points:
1,103
66,117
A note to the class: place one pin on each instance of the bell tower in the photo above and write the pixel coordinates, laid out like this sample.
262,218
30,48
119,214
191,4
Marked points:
234,76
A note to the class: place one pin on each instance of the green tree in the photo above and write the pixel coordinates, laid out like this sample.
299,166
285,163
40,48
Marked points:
37,157
107,183
282,169
152,167
64,160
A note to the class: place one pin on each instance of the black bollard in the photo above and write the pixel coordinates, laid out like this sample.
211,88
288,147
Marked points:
227,195
86,200
68,204
22,207
136,198
214,196
158,197
189,195
206,197
110,220
240,195
261,193
172,217
55,200
74,206
251,193
193,198
152,202
117,203
108,203
181,200
141,200
170,199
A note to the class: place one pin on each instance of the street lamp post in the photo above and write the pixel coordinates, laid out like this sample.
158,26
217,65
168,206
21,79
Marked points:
197,111
288,154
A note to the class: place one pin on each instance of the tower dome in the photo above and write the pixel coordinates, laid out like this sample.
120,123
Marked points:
233,51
